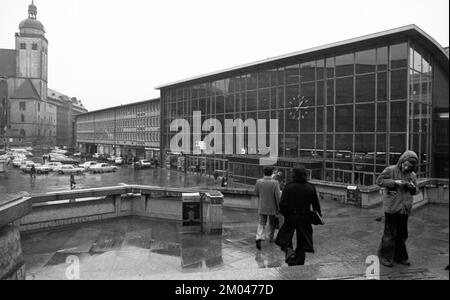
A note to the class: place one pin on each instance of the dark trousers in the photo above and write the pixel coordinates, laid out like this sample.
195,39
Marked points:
295,224
395,234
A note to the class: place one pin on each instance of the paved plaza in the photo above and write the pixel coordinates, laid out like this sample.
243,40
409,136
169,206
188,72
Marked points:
15,181
138,248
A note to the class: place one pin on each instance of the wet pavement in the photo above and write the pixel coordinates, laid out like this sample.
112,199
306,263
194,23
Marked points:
138,248
16,181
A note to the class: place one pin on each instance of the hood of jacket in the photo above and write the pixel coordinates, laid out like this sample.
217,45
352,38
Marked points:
406,156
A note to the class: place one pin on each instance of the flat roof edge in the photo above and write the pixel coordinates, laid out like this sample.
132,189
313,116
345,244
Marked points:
118,106
312,50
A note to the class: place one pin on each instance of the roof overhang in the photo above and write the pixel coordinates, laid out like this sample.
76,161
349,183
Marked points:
409,31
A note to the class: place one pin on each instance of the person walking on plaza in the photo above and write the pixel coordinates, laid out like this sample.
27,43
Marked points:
32,172
268,192
400,184
72,181
278,176
295,205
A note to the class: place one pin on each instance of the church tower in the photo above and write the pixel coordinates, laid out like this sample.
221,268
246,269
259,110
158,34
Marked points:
31,52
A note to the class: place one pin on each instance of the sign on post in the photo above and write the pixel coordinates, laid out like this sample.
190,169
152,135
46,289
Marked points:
352,194
191,212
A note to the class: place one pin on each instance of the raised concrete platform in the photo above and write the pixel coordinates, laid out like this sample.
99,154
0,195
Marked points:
137,248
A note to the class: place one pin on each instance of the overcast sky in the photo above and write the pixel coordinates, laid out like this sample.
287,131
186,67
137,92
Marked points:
112,52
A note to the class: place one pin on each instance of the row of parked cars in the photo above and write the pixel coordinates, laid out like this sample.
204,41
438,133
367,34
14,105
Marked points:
58,167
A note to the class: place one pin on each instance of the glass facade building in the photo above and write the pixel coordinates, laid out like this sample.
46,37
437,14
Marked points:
345,111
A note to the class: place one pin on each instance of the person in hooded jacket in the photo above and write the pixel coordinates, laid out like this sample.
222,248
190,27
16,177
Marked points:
400,182
297,199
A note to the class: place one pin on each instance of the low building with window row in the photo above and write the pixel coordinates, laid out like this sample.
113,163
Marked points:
131,131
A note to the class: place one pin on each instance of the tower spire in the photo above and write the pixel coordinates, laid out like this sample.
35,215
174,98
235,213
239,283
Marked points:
32,10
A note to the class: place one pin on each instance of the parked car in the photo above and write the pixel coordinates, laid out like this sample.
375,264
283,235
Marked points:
96,155
69,169
101,168
17,162
42,169
78,154
111,158
119,161
26,166
54,166
87,165
143,163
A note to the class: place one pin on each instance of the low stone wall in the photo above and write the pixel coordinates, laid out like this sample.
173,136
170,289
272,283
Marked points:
430,191
12,265
54,209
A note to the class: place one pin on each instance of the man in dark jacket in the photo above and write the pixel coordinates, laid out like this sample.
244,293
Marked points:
296,200
400,184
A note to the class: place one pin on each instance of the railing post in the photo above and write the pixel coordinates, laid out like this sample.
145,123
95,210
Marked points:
117,204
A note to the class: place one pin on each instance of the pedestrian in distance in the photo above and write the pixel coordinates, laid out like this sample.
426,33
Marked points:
32,172
268,192
278,176
400,183
215,175
224,182
197,168
297,199
72,181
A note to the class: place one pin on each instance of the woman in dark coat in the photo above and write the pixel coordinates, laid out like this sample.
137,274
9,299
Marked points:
296,200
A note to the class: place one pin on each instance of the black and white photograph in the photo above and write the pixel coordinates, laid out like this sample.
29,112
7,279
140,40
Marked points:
224,147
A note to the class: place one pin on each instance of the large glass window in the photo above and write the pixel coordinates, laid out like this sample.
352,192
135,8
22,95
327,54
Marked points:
398,84
398,116
320,93
264,79
399,56
330,67
365,61
252,81
330,92
320,68
307,120
344,118
229,103
365,88
382,58
292,74
397,147
381,117
382,86
263,99
344,90
251,101
365,118
308,71
344,65
308,91
364,143
291,145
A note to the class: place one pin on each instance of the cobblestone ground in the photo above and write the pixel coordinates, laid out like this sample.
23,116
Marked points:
136,248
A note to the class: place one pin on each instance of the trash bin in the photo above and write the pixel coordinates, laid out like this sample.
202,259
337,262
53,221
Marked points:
352,195
191,212
212,212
